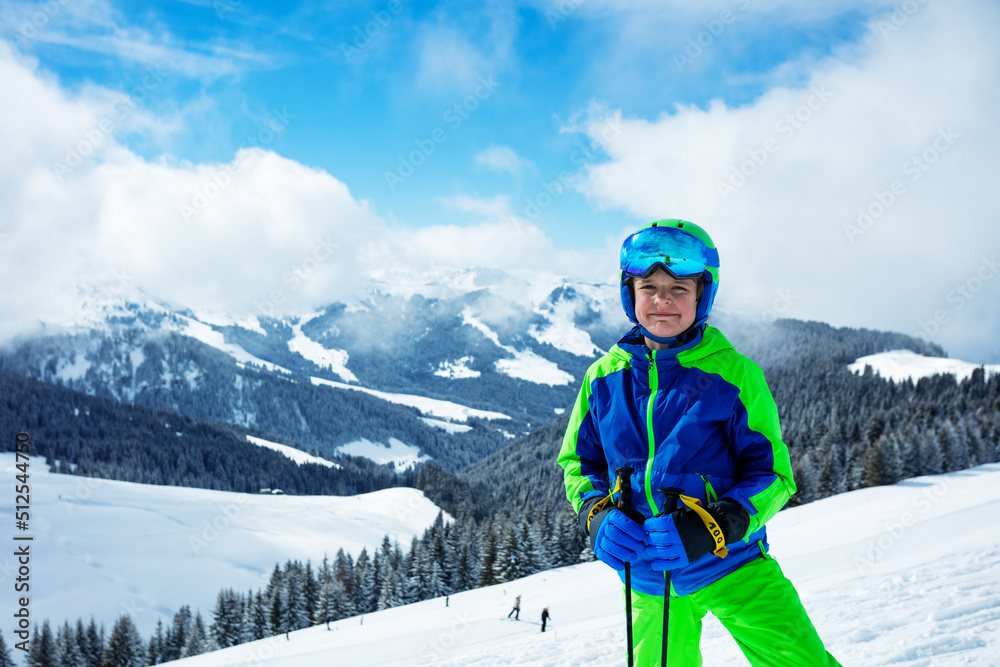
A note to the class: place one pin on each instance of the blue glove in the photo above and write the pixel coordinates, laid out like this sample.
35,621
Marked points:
664,545
617,539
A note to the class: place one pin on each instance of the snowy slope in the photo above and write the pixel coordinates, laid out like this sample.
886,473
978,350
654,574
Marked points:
296,455
106,548
901,575
899,365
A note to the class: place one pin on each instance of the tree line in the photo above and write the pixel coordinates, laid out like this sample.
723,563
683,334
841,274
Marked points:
450,557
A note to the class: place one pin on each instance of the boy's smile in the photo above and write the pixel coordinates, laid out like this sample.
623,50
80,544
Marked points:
665,306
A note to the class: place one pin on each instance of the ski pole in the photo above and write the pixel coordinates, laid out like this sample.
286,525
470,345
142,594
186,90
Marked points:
669,505
625,503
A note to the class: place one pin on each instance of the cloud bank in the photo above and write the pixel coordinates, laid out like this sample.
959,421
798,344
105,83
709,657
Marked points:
860,198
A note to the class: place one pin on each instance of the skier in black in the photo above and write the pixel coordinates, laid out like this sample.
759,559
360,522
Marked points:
545,617
517,609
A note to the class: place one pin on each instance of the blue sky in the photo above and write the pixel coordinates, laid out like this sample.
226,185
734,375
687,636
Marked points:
363,83
514,135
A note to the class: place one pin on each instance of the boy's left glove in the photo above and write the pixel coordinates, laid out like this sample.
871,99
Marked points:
680,538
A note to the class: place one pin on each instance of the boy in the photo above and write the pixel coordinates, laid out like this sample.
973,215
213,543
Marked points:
679,410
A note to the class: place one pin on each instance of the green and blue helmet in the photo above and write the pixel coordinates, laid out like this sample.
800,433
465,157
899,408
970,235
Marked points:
682,249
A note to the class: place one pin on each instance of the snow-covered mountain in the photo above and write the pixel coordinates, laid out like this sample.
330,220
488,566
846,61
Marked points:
469,359
445,366
900,365
907,574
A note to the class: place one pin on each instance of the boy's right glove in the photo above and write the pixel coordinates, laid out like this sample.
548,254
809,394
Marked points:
615,538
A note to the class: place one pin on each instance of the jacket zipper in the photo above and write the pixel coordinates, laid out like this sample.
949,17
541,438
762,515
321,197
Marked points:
654,382
709,491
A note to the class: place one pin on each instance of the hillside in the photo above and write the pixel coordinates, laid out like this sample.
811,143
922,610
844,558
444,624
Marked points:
907,574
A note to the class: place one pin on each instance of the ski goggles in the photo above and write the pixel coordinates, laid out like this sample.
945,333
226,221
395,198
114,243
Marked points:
680,253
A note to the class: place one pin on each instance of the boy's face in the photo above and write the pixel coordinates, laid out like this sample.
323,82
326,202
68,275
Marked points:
665,306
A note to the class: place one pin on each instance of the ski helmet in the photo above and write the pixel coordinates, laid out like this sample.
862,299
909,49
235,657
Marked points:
682,249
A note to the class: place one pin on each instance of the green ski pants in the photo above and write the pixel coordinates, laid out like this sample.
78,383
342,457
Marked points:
758,606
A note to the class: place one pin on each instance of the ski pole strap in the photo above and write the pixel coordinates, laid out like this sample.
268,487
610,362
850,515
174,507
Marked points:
603,503
710,523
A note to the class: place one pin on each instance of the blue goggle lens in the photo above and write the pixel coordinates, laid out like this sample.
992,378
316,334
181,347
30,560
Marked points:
683,255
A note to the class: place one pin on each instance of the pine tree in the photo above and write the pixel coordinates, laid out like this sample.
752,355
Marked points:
125,647
67,651
487,554
227,617
6,658
197,641
310,594
954,447
157,644
930,453
42,649
509,562
255,619
180,631
389,593
92,645
365,577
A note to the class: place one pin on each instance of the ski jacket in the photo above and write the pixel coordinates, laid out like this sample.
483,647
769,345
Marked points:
699,417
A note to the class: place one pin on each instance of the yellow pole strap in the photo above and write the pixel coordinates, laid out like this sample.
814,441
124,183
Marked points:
713,527
602,503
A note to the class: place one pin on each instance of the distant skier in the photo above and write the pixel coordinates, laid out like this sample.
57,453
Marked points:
545,617
517,609
683,415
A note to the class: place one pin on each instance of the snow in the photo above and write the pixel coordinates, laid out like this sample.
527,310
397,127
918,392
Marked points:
206,334
457,369
447,426
526,365
929,597
397,452
898,365
335,360
296,455
428,406
106,548
73,371
562,333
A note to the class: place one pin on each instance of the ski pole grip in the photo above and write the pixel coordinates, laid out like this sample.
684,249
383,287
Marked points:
671,494
624,489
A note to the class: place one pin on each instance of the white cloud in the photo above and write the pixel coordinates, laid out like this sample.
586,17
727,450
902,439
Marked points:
896,95
488,207
260,234
504,159
98,27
